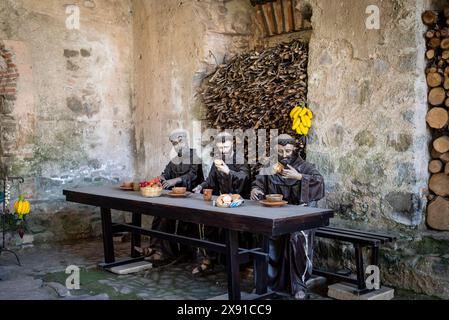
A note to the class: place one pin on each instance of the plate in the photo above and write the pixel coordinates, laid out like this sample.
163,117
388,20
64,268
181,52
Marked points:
273,204
126,188
179,195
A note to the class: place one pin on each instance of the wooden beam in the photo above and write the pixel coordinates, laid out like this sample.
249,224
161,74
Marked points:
268,15
262,21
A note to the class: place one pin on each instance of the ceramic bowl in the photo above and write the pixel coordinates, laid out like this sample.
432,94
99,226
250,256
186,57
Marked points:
274,197
179,190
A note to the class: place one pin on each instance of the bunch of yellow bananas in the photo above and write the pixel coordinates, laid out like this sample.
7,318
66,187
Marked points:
302,119
21,207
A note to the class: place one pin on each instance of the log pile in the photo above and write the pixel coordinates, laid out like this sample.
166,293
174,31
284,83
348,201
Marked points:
437,75
257,89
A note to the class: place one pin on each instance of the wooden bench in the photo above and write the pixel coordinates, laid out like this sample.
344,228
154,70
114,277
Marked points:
360,240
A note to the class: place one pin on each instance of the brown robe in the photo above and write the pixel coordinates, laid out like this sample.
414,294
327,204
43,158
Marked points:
190,174
237,181
290,256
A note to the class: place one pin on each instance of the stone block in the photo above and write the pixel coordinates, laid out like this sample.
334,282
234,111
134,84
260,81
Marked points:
132,267
343,291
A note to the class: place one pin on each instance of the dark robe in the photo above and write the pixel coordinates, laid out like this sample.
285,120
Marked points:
236,182
191,175
290,256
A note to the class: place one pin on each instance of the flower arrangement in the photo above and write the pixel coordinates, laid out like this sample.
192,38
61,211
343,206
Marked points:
21,208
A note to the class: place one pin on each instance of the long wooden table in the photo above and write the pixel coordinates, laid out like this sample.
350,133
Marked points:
251,217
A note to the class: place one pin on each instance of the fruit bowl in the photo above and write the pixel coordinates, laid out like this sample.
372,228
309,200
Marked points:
151,192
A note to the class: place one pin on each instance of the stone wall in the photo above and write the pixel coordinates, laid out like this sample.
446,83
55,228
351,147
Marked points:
177,43
368,91
70,123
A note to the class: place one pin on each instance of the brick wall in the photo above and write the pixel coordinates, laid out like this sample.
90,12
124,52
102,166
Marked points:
8,73
8,89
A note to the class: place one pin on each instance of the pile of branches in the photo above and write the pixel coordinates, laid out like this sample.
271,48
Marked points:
258,89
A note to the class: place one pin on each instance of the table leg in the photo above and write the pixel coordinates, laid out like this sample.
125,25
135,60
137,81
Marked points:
359,266
136,237
108,243
261,270
232,265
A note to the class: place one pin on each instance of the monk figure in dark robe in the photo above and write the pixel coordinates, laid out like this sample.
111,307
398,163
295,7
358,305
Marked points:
182,171
225,176
290,256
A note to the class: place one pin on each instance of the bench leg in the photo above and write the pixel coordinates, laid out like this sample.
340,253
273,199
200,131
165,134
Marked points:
261,270
360,268
232,265
136,237
108,243
375,256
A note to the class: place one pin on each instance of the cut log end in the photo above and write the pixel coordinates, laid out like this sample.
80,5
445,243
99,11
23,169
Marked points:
434,79
437,118
438,214
429,18
444,157
439,184
435,166
437,96
441,144
434,43
444,44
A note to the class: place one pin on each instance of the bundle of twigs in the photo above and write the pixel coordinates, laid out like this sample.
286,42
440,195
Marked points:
257,89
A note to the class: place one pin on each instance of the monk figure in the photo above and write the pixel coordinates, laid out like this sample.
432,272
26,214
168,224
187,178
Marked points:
225,176
182,171
290,256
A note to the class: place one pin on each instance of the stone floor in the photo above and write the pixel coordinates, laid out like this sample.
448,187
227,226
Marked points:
42,276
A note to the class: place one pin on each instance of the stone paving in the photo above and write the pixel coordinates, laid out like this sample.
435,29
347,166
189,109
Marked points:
42,277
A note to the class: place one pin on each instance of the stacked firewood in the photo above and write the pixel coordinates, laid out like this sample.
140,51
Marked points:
437,74
258,89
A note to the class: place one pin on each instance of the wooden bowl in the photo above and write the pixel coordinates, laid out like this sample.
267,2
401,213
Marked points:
127,184
179,190
274,197
151,192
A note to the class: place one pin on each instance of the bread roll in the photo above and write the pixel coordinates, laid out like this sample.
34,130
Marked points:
224,200
278,168
236,197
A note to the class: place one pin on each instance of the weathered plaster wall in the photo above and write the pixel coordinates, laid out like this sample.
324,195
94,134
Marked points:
176,44
73,107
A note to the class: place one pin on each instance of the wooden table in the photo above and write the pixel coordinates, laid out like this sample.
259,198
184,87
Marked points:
251,217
